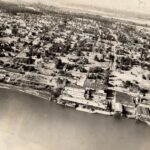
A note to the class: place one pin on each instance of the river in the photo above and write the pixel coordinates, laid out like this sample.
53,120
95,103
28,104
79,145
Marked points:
30,123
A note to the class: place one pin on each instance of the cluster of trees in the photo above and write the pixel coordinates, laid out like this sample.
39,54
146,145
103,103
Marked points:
122,38
6,46
59,64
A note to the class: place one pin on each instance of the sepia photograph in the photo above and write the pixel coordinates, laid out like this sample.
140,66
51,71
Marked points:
74,74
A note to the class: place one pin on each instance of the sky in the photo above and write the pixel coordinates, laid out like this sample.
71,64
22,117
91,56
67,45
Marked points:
130,5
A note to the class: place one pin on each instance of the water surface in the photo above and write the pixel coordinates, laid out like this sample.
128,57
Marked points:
28,122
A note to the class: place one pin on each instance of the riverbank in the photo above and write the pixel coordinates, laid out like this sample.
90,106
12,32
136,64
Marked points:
46,96
30,91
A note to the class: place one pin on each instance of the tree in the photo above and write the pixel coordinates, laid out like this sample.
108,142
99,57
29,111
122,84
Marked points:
122,38
96,58
79,53
1,62
58,63
112,58
15,31
128,84
144,91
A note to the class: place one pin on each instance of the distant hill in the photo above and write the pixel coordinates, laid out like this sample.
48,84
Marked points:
110,12
76,10
10,7
14,4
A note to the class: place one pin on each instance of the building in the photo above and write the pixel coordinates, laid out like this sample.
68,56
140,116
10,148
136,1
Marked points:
77,98
126,101
143,113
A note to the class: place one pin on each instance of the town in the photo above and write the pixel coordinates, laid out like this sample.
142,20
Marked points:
97,65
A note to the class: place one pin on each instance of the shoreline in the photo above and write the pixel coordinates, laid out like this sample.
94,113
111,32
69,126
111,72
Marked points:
35,93
45,97
23,90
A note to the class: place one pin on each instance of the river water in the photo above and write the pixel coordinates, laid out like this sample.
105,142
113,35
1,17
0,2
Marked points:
30,123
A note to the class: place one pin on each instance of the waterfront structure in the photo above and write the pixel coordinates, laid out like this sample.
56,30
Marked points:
77,98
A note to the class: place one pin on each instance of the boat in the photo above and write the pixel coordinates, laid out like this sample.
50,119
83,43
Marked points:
70,105
104,112
81,108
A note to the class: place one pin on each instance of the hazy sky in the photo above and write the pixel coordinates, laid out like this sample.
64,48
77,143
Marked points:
132,5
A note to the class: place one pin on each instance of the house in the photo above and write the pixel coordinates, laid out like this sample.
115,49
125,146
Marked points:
126,101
